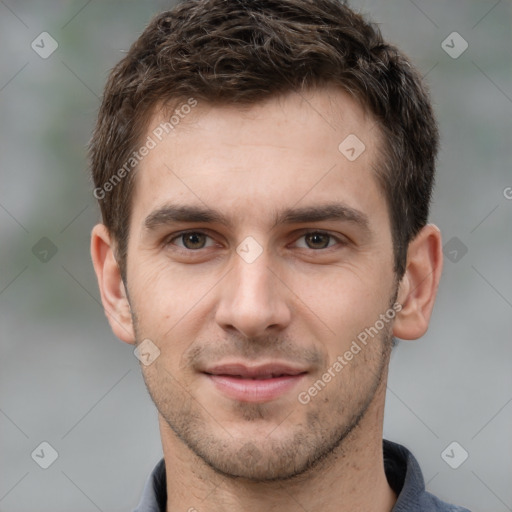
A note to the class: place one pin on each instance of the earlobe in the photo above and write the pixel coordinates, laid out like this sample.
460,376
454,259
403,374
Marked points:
418,287
112,290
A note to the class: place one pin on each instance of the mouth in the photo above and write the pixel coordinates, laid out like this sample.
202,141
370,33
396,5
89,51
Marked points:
261,383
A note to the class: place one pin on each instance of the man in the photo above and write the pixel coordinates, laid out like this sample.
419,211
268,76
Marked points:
264,171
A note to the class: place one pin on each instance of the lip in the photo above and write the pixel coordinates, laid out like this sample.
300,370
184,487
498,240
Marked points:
259,383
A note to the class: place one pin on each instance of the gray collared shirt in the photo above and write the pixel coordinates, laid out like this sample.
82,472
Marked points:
402,471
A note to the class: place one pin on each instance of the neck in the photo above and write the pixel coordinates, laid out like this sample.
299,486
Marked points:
351,478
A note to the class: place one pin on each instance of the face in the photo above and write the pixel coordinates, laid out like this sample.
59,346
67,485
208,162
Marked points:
258,255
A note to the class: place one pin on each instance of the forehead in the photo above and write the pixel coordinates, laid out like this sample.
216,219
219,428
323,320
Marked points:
303,148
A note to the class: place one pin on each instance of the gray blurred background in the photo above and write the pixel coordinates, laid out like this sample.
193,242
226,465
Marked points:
67,381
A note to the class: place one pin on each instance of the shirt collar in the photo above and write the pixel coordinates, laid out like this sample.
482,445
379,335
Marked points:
402,471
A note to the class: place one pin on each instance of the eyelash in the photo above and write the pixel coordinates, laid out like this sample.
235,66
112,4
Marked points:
339,241
169,241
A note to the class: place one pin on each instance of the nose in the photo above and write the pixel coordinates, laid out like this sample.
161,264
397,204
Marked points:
253,299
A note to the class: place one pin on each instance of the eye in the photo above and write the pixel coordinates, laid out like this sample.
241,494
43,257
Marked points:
316,240
192,240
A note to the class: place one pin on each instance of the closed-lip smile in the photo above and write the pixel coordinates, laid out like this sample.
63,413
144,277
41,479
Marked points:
255,382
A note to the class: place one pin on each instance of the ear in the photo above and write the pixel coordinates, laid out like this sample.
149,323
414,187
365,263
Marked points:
113,293
418,287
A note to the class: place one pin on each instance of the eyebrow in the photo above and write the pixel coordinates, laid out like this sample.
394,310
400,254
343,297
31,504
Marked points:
325,212
174,213
169,214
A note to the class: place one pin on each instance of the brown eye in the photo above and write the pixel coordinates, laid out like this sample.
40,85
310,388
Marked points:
191,240
317,240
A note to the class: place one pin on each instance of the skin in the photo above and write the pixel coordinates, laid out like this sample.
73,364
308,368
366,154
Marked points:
303,300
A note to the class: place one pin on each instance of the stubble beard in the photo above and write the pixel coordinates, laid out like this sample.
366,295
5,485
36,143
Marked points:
321,436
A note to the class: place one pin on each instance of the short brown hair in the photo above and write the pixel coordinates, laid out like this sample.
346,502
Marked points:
244,51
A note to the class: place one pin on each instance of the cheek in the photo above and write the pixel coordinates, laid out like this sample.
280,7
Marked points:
171,303
342,302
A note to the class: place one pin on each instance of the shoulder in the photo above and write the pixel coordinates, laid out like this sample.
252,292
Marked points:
154,495
406,479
